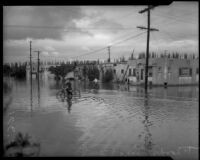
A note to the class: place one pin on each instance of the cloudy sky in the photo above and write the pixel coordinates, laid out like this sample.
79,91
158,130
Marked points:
85,32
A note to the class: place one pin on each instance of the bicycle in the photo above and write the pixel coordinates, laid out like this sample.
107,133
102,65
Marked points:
63,94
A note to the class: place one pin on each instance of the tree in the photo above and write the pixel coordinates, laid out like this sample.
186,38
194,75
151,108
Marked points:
108,76
15,71
122,59
61,71
92,73
185,56
6,69
131,57
84,70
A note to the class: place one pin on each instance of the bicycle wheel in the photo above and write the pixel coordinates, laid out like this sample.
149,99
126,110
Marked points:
69,96
60,94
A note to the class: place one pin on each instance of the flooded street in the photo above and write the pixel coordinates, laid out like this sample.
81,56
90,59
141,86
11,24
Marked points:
111,121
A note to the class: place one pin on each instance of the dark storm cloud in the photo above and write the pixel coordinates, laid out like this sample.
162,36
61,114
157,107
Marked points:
38,22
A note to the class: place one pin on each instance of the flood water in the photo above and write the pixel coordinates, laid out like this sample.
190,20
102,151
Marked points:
111,121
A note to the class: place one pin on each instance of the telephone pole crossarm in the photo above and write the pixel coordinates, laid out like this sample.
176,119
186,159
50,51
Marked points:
151,29
146,9
148,37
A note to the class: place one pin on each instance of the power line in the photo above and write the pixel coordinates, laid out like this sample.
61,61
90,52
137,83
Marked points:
98,50
128,38
93,52
148,37
67,29
174,18
168,34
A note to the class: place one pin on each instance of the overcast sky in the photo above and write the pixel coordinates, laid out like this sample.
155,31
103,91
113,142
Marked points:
74,32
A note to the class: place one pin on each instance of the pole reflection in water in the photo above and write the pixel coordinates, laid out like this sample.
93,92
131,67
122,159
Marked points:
147,123
31,95
38,92
79,86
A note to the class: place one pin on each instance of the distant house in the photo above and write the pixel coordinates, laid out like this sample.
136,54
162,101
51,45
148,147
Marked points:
119,71
164,71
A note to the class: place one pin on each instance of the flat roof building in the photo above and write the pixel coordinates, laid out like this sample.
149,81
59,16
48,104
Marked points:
162,71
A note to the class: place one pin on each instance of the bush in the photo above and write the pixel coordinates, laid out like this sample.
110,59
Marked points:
16,147
91,72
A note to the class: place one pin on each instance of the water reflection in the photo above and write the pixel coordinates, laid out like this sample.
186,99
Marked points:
118,117
69,102
38,92
147,123
31,97
123,87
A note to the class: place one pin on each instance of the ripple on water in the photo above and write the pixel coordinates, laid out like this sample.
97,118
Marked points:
113,122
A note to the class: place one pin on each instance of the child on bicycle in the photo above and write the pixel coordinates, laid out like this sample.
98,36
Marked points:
68,87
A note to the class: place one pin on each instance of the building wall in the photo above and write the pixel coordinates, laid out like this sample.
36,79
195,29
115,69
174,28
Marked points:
165,70
118,71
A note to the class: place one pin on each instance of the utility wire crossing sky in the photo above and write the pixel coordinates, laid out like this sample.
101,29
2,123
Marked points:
86,32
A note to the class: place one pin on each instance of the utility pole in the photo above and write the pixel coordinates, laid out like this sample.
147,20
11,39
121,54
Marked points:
30,62
38,73
108,53
148,37
31,98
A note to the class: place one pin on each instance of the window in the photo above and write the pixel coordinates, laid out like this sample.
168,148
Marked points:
129,71
197,71
150,74
122,71
114,71
185,72
142,70
134,74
